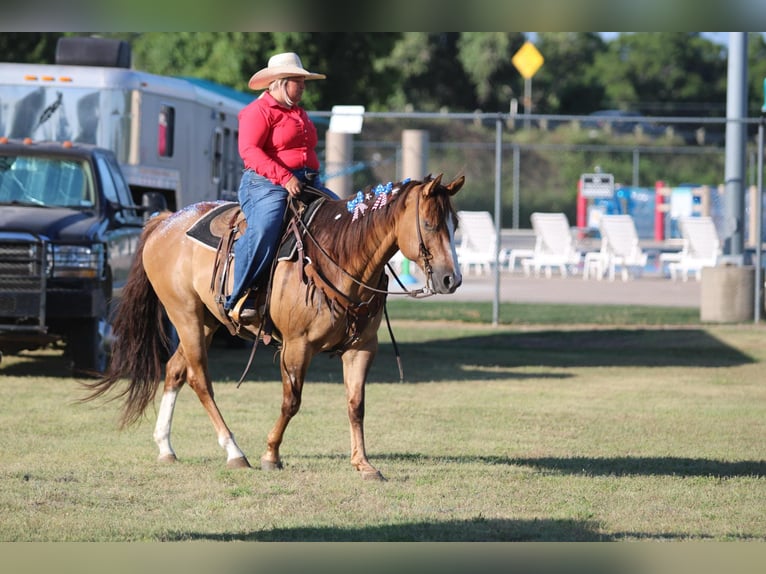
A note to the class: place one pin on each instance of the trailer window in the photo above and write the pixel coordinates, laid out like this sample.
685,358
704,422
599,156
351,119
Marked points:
165,131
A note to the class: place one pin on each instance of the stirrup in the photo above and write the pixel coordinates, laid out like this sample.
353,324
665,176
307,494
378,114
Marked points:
241,314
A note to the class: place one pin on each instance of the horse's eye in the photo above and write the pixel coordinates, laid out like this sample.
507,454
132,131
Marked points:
428,226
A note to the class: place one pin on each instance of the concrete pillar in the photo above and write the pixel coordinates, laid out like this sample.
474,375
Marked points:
414,154
726,294
339,155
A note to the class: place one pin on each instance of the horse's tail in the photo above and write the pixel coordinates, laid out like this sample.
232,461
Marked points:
140,339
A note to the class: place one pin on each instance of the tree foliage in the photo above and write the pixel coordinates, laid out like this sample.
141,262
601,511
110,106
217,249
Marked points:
658,73
668,73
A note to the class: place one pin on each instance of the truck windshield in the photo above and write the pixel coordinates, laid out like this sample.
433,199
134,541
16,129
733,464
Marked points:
45,181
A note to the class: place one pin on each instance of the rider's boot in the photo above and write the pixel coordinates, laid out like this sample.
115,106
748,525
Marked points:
244,311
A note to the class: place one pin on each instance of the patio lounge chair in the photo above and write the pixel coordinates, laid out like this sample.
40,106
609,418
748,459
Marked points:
620,248
702,247
554,246
478,242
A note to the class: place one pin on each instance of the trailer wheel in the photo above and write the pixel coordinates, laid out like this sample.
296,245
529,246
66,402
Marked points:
88,346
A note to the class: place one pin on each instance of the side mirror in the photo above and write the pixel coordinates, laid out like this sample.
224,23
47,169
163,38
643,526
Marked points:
153,202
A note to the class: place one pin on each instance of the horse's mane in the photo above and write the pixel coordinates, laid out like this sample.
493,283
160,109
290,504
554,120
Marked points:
344,227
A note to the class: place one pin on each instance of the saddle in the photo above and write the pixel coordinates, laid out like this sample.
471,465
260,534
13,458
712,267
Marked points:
219,229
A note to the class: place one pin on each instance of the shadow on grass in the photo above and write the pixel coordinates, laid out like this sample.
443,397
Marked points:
611,466
475,530
495,355
451,358
646,466
474,358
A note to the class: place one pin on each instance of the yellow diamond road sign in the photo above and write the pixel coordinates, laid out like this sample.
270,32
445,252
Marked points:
527,60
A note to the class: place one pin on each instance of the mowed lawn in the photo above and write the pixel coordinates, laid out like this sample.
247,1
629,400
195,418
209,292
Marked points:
522,432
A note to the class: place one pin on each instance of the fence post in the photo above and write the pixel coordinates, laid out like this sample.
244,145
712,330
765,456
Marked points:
339,153
414,166
659,211
582,207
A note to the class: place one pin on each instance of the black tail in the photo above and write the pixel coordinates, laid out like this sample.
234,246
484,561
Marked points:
140,340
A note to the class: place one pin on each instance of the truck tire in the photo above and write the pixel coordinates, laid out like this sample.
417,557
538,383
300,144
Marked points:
88,347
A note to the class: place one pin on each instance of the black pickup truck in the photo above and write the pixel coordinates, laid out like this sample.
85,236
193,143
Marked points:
69,229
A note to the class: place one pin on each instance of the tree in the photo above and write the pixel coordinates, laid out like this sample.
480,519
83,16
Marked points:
756,73
348,60
216,56
486,58
31,47
566,83
429,74
664,73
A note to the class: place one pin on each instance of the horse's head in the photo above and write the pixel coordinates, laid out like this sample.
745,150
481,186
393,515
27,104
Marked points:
426,233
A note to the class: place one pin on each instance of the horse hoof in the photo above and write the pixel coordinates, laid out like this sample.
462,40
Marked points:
373,475
270,465
167,458
240,462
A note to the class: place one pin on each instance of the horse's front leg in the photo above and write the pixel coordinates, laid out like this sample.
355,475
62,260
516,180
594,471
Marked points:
295,359
356,365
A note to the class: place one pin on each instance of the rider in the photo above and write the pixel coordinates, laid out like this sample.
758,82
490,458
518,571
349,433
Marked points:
277,143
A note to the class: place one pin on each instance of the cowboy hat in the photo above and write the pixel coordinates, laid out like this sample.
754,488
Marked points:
281,66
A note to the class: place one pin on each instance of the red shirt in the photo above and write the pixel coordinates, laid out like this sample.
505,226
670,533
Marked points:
273,139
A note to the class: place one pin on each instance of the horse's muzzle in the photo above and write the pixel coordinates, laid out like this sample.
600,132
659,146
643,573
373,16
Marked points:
446,283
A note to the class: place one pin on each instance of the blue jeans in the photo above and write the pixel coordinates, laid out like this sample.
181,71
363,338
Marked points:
264,204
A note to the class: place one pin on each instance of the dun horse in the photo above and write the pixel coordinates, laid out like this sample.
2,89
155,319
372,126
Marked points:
328,299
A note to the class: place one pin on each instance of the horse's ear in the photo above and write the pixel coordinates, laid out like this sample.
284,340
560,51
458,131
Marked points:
432,185
455,185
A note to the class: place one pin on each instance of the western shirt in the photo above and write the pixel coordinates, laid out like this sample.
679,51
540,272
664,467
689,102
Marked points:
274,139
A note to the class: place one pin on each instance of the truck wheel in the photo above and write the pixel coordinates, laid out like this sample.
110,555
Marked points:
88,347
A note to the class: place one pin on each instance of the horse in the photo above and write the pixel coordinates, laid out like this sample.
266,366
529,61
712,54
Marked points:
330,298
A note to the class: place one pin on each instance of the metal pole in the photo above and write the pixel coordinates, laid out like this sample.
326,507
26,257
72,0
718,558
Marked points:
516,198
758,226
527,101
498,227
736,109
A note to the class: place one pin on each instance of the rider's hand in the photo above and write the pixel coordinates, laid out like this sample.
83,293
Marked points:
294,186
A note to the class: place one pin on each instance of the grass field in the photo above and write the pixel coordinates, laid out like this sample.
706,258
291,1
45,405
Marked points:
634,428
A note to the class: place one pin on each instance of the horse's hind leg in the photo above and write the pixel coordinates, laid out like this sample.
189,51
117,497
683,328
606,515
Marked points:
175,377
190,363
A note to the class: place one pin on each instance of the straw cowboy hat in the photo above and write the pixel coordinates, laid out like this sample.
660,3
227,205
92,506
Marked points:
281,66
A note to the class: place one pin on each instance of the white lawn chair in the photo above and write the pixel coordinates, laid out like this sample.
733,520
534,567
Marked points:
478,242
620,248
702,247
554,246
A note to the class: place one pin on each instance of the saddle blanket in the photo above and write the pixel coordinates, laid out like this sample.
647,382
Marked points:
209,228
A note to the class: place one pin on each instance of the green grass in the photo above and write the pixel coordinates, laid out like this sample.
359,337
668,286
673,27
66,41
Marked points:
614,432
550,314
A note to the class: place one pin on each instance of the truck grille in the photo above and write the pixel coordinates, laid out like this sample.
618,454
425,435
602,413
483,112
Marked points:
22,281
